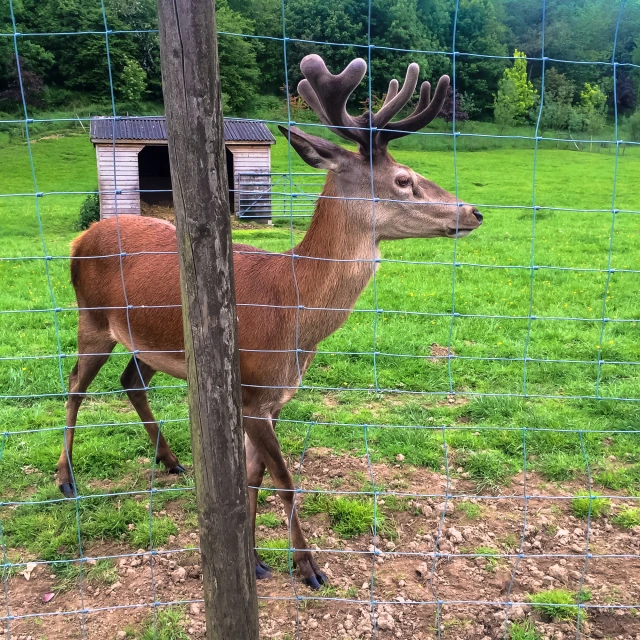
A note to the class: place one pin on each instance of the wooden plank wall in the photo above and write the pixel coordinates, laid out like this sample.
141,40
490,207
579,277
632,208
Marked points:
249,159
126,179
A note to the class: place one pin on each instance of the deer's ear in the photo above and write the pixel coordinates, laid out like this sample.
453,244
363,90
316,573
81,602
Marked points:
317,152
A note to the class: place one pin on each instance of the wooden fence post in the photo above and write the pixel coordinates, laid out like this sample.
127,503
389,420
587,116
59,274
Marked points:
192,95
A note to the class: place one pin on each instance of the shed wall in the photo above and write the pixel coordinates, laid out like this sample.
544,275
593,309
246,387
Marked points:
249,159
123,166
118,170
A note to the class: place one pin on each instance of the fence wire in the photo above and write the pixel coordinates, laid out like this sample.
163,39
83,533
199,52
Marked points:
433,500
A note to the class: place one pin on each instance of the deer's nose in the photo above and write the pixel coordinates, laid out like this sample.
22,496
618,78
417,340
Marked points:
477,214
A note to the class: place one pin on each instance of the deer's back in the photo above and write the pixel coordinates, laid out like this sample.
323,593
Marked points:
141,254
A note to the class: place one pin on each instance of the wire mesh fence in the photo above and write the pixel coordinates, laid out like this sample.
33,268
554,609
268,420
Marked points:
465,449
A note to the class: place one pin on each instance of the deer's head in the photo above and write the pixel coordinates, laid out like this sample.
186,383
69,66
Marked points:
407,205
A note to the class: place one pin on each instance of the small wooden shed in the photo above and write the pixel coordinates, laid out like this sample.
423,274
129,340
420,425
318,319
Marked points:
133,165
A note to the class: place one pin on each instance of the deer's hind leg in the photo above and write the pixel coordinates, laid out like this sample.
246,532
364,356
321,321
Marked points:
135,380
263,438
95,347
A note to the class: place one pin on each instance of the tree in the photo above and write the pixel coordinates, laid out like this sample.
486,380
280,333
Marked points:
516,94
592,108
394,24
239,72
590,113
133,81
446,113
625,93
479,31
634,127
559,92
505,111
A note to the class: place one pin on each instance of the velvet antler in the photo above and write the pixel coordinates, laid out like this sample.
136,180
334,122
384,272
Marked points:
327,95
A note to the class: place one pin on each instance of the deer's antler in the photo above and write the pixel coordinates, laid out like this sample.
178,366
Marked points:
327,95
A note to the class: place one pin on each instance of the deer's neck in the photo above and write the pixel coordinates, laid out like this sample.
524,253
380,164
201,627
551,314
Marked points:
336,261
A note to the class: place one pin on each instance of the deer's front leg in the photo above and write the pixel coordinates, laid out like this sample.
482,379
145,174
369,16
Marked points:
264,440
255,474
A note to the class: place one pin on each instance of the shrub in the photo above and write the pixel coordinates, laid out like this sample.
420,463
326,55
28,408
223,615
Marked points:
89,211
634,121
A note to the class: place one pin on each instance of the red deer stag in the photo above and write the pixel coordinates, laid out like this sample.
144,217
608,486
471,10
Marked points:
286,307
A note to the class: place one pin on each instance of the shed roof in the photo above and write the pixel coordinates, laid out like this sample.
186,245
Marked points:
154,128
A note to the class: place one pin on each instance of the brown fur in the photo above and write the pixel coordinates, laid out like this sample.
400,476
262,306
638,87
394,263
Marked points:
287,304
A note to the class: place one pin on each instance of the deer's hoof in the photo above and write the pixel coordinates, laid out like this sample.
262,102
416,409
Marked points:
262,570
317,581
177,469
67,489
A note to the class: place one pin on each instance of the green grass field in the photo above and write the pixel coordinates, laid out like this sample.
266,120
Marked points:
407,387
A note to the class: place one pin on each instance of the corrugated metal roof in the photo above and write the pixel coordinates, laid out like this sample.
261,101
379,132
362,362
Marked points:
154,128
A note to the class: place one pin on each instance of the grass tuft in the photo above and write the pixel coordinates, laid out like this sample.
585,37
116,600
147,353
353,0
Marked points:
349,517
628,518
269,520
524,630
558,604
275,553
586,504
470,509
560,466
169,625
490,469
490,555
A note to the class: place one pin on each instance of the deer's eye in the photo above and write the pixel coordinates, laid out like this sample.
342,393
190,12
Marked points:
403,181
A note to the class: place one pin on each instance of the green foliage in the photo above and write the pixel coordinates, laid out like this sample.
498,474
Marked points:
628,518
168,625
89,211
559,465
470,509
558,604
490,555
239,73
269,520
590,505
263,494
592,108
523,631
70,71
490,469
134,81
634,122
275,553
504,107
350,517
516,94
558,100
49,528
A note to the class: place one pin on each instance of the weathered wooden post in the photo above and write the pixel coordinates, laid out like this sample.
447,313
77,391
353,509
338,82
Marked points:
192,95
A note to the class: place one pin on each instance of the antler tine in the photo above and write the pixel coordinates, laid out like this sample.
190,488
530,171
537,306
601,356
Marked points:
391,107
424,113
327,94
392,92
309,96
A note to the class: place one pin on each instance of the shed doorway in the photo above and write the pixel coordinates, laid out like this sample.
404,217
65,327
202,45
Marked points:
231,178
155,175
